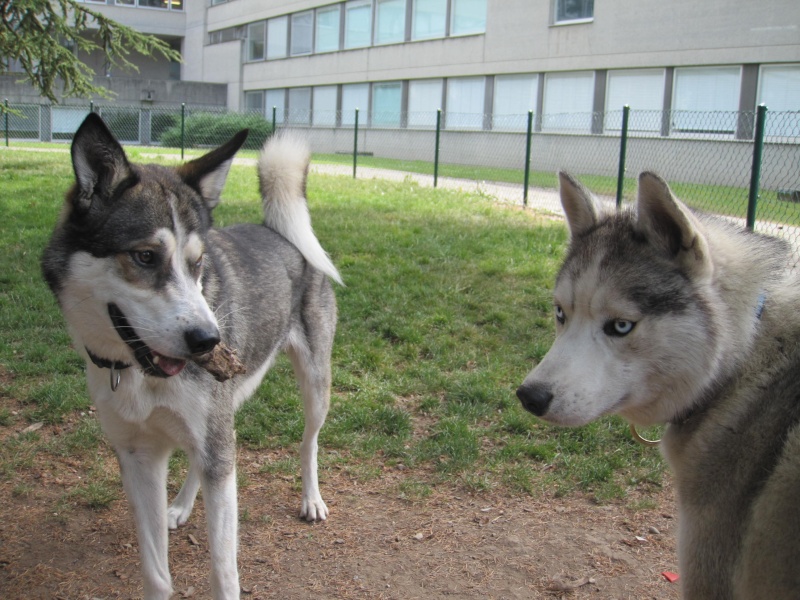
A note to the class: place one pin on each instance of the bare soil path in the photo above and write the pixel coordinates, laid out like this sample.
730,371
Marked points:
375,544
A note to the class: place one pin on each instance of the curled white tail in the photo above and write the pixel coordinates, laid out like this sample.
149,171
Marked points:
282,171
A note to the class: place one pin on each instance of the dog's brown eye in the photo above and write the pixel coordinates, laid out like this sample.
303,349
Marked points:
560,316
144,258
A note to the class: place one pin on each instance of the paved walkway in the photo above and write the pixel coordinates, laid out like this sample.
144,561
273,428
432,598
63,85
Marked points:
509,193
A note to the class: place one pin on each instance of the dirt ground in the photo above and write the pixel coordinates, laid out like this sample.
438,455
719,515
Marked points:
375,544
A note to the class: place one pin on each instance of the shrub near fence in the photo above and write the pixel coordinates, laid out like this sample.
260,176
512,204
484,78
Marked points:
708,158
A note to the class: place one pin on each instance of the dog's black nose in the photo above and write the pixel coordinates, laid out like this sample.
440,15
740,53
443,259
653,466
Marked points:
535,397
201,340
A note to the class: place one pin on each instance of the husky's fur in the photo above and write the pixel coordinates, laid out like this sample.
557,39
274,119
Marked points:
145,282
669,316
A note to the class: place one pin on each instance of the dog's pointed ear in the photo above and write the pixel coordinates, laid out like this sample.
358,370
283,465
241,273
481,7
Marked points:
208,173
579,205
99,163
667,222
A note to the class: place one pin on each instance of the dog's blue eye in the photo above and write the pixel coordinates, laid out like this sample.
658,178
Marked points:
144,258
619,327
560,316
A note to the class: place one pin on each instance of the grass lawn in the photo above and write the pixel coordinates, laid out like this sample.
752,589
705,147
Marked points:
446,307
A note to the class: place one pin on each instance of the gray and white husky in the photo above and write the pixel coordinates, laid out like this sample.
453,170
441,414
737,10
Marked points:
146,283
667,316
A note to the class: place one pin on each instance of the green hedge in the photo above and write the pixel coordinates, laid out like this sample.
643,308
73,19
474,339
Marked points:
208,129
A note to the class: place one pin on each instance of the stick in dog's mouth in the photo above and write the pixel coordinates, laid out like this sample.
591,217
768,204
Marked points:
222,362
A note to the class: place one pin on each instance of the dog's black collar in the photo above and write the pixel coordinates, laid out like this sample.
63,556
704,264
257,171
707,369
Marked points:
141,351
104,363
115,367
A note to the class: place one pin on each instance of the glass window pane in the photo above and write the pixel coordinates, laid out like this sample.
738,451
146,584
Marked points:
358,24
386,99
354,96
514,97
568,101
255,40
277,30
299,106
703,90
779,89
390,21
325,105
65,121
429,19
465,98
327,39
469,16
643,91
424,99
254,101
572,10
275,99
302,32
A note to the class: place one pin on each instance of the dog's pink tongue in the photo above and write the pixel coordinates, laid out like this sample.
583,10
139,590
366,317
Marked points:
170,366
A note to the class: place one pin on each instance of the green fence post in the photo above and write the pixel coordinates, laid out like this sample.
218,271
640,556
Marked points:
91,106
755,173
5,115
436,150
527,159
355,146
274,113
623,148
183,127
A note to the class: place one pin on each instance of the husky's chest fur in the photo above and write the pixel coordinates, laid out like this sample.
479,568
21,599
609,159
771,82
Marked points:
736,462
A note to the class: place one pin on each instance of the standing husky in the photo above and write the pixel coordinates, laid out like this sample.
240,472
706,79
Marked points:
667,316
147,285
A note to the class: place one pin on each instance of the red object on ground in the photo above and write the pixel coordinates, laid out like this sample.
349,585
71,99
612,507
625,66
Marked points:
671,577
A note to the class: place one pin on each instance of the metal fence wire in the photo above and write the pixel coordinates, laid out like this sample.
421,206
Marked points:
728,163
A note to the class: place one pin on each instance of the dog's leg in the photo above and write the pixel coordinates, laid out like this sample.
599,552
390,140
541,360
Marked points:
314,376
144,477
218,478
180,509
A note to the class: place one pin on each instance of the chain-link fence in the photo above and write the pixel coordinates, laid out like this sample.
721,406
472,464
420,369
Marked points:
731,163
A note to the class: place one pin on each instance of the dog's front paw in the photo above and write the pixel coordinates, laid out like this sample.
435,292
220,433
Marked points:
177,515
314,509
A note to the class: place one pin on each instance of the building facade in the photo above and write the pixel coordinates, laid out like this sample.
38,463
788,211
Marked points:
401,60
485,63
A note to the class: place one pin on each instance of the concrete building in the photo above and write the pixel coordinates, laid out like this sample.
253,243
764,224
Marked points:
468,57
502,58
485,63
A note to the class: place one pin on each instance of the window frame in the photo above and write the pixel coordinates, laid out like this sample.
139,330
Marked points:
429,36
248,36
681,118
333,8
353,5
571,21
379,116
377,20
272,31
453,30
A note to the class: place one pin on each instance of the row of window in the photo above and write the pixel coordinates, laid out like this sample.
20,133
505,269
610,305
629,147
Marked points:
567,100
356,24
363,23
